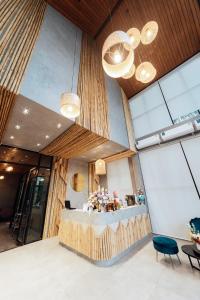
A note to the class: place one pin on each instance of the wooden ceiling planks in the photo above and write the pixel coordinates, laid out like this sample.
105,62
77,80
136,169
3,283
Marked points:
73,142
88,15
178,37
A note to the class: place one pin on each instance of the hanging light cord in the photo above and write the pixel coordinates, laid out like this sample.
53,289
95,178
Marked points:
72,85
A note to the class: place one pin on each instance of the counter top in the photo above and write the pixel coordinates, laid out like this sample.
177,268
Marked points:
103,218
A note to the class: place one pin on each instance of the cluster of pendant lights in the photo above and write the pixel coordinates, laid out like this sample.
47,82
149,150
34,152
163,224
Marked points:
118,53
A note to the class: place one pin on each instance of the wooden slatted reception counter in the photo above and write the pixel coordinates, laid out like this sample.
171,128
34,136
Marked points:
104,238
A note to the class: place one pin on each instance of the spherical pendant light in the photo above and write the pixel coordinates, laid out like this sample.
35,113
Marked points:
149,32
134,35
100,167
145,72
130,73
121,58
70,105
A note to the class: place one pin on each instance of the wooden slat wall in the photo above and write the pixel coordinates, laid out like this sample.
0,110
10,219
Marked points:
73,142
56,197
93,178
129,124
91,88
20,22
107,245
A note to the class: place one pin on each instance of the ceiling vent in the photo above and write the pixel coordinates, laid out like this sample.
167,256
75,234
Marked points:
177,131
150,141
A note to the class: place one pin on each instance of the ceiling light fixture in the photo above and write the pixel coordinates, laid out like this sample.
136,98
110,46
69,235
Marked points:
70,102
59,125
118,53
12,137
145,72
47,137
38,144
2,177
17,127
130,73
26,111
117,46
149,32
9,169
100,167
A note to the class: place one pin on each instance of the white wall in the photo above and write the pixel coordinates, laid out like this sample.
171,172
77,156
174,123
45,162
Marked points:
171,194
77,198
119,177
149,112
116,116
181,91
49,71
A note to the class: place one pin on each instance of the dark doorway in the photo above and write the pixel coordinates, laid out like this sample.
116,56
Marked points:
24,183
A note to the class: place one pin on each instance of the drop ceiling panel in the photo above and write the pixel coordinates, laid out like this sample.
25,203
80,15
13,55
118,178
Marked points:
37,128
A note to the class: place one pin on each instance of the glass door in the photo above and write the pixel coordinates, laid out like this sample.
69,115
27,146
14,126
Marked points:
26,203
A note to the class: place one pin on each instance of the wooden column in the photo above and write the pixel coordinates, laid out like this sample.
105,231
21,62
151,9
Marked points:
91,89
20,22
56,198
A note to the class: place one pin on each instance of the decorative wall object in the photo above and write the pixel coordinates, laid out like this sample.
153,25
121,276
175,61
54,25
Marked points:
91,87
106,243
56,197
76,140
20,22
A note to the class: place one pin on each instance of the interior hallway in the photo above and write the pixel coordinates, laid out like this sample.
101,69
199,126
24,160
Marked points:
6,240
44,270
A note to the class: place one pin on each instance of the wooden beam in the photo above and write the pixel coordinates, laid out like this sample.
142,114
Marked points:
123,154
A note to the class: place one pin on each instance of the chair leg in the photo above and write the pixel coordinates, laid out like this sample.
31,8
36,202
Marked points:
156,255
178,258
171,261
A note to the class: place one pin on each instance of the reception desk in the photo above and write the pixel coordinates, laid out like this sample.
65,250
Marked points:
104,238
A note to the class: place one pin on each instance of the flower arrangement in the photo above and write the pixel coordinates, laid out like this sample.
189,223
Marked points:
195,235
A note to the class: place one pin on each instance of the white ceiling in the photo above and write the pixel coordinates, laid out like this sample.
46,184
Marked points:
102,151
34,126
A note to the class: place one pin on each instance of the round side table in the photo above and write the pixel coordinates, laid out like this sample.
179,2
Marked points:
189,251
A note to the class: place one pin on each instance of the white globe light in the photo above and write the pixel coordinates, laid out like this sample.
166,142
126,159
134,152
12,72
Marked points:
121,65
130,73
134,35
70,105
149,32
145,72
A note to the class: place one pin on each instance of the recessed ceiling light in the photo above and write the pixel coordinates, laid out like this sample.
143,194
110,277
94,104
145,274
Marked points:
9,169
12,137
59,125
2,177
47,136
17,127
26,111
38,144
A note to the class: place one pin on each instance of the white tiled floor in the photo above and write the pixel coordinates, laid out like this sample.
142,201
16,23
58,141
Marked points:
46,271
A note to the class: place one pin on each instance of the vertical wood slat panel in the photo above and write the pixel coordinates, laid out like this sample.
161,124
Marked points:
20,22
91,89
56,197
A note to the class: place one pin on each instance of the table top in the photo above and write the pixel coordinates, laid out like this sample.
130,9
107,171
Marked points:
189,250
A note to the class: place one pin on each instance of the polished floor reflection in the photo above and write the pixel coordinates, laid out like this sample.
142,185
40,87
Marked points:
44,270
